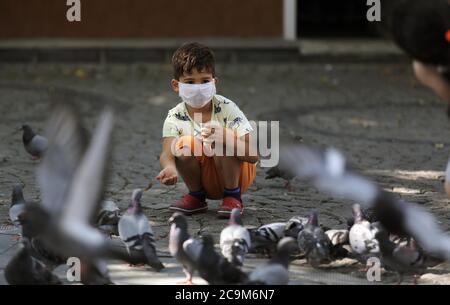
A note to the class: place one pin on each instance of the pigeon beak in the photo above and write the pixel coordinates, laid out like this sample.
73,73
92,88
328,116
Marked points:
19,129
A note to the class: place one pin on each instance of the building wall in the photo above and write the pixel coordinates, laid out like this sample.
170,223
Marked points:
142,18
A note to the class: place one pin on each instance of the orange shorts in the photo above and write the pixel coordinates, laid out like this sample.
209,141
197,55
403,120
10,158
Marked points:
211,180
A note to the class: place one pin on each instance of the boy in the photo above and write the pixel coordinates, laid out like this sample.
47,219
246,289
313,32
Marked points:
197,129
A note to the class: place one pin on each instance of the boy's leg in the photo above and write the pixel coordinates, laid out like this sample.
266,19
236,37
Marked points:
229,168
188,166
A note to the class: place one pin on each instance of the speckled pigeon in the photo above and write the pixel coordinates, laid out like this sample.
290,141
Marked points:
108,218
362,236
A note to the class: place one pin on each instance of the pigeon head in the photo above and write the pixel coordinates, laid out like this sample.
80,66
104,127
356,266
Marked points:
207,240
235,217
357,213
28,133
286,246
313,219
17,194
179,220
135,204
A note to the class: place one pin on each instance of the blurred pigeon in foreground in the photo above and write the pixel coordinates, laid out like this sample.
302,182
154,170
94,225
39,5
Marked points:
314,243
235,239
275,272
108,218
214,268
327,171
403,259
136,232
34,144
182,246
71,179
23,269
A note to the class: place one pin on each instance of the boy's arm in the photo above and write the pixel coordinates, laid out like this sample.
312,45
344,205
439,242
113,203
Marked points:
431,77
168,174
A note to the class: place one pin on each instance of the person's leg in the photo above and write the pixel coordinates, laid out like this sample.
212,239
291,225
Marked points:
189,168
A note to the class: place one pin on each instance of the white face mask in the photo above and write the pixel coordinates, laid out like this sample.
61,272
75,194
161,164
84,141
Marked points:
197,96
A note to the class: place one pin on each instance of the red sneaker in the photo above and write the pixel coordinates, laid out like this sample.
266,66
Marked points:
189,205
228,204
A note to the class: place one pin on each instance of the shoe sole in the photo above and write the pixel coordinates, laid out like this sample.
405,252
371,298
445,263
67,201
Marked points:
226,214
189,212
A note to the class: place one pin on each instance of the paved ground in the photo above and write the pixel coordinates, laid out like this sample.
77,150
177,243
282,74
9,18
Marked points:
390,128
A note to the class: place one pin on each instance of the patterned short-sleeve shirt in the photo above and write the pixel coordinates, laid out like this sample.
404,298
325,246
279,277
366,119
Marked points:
224,111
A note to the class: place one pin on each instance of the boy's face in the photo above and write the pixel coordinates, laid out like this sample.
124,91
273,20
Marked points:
195,77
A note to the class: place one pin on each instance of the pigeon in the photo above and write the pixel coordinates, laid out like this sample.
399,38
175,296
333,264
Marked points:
17,206
95,272
214,268
362,236
314,243
276,172
108,218
24,269
136,232
182,246
327,170
275,272
265,238
71,177
235,239
294,226
403,259
34,144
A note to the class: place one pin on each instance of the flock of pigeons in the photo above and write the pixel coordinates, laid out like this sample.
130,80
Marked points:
73,219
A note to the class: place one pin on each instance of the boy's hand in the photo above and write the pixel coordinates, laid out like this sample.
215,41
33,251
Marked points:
168,176
214,133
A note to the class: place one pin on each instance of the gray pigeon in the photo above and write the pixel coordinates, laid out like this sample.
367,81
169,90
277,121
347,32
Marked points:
314,243
275,272
276,172
327,170
34,144
214,268
447,176
182,246
24,269
17,206
235,239
402,259
137,234
108,218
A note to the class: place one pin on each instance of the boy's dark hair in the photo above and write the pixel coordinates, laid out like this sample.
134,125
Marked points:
190,56
419,27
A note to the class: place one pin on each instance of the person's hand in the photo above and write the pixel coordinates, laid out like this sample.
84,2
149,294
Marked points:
168,176
214,133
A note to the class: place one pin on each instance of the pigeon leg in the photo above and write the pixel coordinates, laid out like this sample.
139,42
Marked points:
416,279
289,186
400,278
16,237
35,158
136,265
